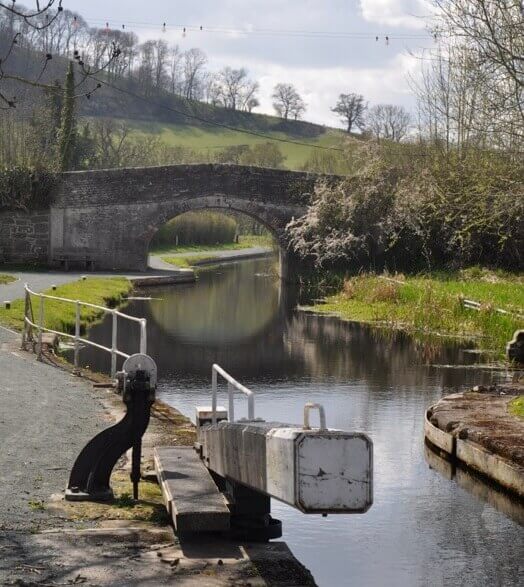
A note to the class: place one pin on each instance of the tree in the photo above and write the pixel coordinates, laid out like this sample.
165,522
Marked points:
287,100
67,132
386,121
194,62
41,28
491,33
251,104
297,108
351,108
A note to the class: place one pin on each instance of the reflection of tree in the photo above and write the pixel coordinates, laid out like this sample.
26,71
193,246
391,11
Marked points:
226,306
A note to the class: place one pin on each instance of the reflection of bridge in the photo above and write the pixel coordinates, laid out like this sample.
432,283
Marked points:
114,213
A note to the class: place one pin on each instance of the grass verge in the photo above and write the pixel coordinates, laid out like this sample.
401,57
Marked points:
6,279
183,262
245,242
516,407
431,304
61,316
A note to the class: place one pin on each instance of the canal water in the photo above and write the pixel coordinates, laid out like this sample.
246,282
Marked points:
429,525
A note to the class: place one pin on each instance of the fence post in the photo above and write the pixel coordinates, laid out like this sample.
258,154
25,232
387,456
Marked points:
231,402
25,329
77,336
214,395
114,339
40,327
143,336
251,407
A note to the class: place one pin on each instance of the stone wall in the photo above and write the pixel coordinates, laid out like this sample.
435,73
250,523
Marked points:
24,236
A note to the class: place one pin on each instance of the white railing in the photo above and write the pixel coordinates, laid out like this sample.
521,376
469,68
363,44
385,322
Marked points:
232,384
113,349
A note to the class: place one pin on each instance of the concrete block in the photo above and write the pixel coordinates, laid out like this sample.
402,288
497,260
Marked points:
191,496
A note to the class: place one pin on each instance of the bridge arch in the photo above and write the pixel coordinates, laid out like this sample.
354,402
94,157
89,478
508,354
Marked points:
115,213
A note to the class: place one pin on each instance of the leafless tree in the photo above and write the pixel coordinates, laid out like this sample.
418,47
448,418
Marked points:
387,121
286,99
194,62
490,34
42,27
251,104
351,108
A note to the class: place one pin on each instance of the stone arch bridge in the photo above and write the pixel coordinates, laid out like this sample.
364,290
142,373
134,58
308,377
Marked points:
115,213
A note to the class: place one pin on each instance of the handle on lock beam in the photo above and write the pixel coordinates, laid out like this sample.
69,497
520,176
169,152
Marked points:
322,415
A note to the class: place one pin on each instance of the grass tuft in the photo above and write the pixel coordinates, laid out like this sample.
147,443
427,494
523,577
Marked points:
516,407
6,278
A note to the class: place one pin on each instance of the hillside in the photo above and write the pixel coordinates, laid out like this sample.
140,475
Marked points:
168,116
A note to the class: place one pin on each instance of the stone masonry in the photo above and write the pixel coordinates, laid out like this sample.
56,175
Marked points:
113,214
24,236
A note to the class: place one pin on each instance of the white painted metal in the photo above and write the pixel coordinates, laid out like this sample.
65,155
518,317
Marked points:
141,362
316,471
76,337
232,384
322,415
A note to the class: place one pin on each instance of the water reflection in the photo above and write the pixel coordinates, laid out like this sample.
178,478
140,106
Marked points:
422,529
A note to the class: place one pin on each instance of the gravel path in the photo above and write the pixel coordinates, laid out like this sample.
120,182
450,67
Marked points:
46,416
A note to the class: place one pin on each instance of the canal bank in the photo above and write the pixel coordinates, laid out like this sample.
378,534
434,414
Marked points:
480,429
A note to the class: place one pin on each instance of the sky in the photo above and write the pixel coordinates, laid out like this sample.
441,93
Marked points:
320,66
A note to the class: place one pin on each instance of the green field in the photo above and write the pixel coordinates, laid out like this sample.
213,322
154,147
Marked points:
206,141
6,278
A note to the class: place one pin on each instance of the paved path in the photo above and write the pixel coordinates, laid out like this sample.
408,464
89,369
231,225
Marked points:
38,281
156,262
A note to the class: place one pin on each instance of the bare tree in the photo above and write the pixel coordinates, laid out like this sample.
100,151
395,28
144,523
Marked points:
194,62
251,104
43,29
175,70
297,108
351,108
491,33
286,100
387,121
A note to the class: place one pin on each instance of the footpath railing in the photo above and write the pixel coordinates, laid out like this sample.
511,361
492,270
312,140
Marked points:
30,323
232,384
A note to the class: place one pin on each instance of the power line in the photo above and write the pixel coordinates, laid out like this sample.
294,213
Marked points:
184,28
214,123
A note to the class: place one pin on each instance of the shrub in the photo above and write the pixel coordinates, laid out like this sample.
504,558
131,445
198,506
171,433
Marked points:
22,188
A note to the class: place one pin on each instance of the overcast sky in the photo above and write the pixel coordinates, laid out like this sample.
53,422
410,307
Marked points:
321,68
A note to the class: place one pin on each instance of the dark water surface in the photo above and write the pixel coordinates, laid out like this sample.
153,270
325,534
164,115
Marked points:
424,527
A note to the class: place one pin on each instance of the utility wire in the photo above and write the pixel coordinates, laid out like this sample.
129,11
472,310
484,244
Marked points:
212,122
255,31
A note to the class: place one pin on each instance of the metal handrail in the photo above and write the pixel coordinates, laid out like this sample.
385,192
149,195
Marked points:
232,384
115,352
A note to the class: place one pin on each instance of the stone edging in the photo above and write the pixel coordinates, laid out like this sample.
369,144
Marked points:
505,473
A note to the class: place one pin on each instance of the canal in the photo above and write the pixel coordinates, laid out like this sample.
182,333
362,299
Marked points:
424,528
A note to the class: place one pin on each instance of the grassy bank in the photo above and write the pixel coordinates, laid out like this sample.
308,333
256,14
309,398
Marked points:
6,279
245,242
183,262
61,316
431,304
